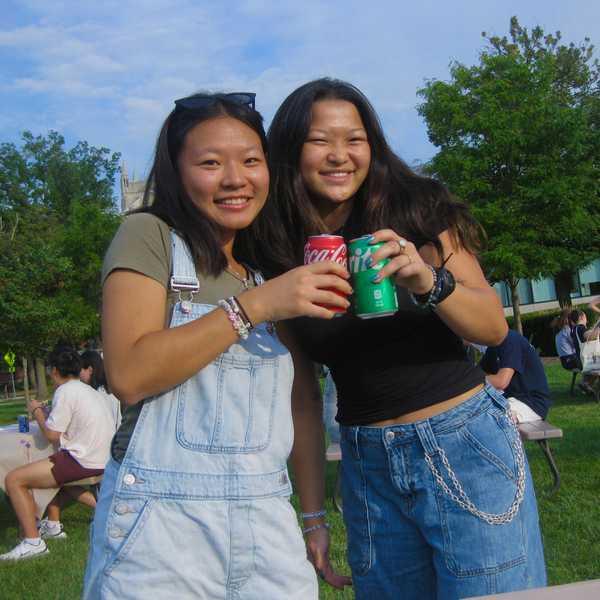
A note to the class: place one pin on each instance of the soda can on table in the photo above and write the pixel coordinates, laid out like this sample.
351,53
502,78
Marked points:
319,248
23,421
371,300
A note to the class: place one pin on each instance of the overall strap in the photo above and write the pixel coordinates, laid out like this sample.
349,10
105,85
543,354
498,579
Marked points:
183,269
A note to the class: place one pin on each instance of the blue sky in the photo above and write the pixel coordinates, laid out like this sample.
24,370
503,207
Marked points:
107,72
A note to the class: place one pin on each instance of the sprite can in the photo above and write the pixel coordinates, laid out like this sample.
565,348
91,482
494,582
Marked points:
371,300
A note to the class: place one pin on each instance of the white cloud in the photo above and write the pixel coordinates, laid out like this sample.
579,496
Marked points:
108,72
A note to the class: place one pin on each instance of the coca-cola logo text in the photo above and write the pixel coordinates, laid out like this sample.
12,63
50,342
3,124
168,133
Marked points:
312,255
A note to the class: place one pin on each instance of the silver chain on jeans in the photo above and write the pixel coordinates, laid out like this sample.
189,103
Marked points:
464,501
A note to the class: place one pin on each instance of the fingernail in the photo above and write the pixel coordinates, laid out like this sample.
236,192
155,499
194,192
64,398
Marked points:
375,278
370,238
369,262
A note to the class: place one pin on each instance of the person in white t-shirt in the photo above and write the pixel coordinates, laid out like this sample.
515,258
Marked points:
82,426
92,373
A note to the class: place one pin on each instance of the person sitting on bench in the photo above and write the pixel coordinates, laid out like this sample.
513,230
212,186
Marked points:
580,333
83,427
515,368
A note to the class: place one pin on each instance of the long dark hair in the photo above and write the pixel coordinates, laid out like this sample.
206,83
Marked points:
91,358
165,196
393,195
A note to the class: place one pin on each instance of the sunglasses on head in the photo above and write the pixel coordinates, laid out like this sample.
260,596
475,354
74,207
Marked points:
204,100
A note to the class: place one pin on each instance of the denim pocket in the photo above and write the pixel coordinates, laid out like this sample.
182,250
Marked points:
125,522
483,457
228,406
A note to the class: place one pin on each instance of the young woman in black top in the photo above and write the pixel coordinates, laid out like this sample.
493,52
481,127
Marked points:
438,499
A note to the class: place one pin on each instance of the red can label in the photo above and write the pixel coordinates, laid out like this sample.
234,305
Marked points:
320,248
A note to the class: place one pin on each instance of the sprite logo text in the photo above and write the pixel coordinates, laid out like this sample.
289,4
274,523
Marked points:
358,261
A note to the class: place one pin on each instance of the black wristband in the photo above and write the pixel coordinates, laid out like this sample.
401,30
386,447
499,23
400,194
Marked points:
443,285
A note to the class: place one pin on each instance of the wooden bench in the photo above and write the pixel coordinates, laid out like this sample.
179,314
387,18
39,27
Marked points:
334,453
541,432
582,590
92,482
574,372
534,431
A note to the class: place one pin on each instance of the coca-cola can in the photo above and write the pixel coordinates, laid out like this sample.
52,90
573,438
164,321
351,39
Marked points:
319,248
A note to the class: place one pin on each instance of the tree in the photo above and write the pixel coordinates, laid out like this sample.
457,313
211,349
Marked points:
57,217
518,137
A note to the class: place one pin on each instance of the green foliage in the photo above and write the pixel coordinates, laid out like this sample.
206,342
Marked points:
518,139
56,220
537,328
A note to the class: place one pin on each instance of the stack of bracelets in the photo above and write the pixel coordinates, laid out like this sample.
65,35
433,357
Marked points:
443,285
314,515
237,316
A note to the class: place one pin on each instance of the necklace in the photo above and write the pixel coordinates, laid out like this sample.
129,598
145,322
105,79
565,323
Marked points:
245,280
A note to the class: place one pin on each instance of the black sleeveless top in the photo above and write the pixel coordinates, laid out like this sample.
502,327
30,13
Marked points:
388,366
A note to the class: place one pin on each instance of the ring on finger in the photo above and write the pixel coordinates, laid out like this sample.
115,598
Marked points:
401,245
409,259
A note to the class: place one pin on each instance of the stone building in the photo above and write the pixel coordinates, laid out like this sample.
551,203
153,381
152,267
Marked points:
132,191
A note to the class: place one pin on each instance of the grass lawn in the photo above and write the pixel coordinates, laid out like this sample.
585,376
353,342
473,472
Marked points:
570,519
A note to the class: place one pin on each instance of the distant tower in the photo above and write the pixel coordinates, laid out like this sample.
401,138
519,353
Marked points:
132,192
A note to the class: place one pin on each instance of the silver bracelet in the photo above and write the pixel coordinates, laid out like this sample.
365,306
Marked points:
315,527
314,515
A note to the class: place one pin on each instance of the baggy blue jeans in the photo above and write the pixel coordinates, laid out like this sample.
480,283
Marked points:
453,527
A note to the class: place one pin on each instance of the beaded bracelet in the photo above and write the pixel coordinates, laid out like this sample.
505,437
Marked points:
235,319
315,527
240,312
314,515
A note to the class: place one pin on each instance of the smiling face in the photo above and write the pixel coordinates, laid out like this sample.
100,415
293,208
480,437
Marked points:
336,155
224,172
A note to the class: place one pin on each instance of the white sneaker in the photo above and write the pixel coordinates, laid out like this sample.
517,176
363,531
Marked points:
48,532
25,550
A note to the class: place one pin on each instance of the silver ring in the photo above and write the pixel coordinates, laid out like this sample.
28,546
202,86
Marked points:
402,245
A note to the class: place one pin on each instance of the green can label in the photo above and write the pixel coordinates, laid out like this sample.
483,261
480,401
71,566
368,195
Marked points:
370,299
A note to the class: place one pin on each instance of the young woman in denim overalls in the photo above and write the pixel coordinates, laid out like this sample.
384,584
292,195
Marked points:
437,496
195,502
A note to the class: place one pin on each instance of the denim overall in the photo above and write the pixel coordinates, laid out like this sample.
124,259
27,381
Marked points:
199,507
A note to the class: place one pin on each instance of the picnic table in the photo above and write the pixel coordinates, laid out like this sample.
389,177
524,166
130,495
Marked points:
583,590
18,449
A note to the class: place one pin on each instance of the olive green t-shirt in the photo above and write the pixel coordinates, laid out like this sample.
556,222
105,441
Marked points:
143,244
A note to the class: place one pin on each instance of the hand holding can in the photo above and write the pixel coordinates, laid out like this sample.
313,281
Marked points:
332,248
371,299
